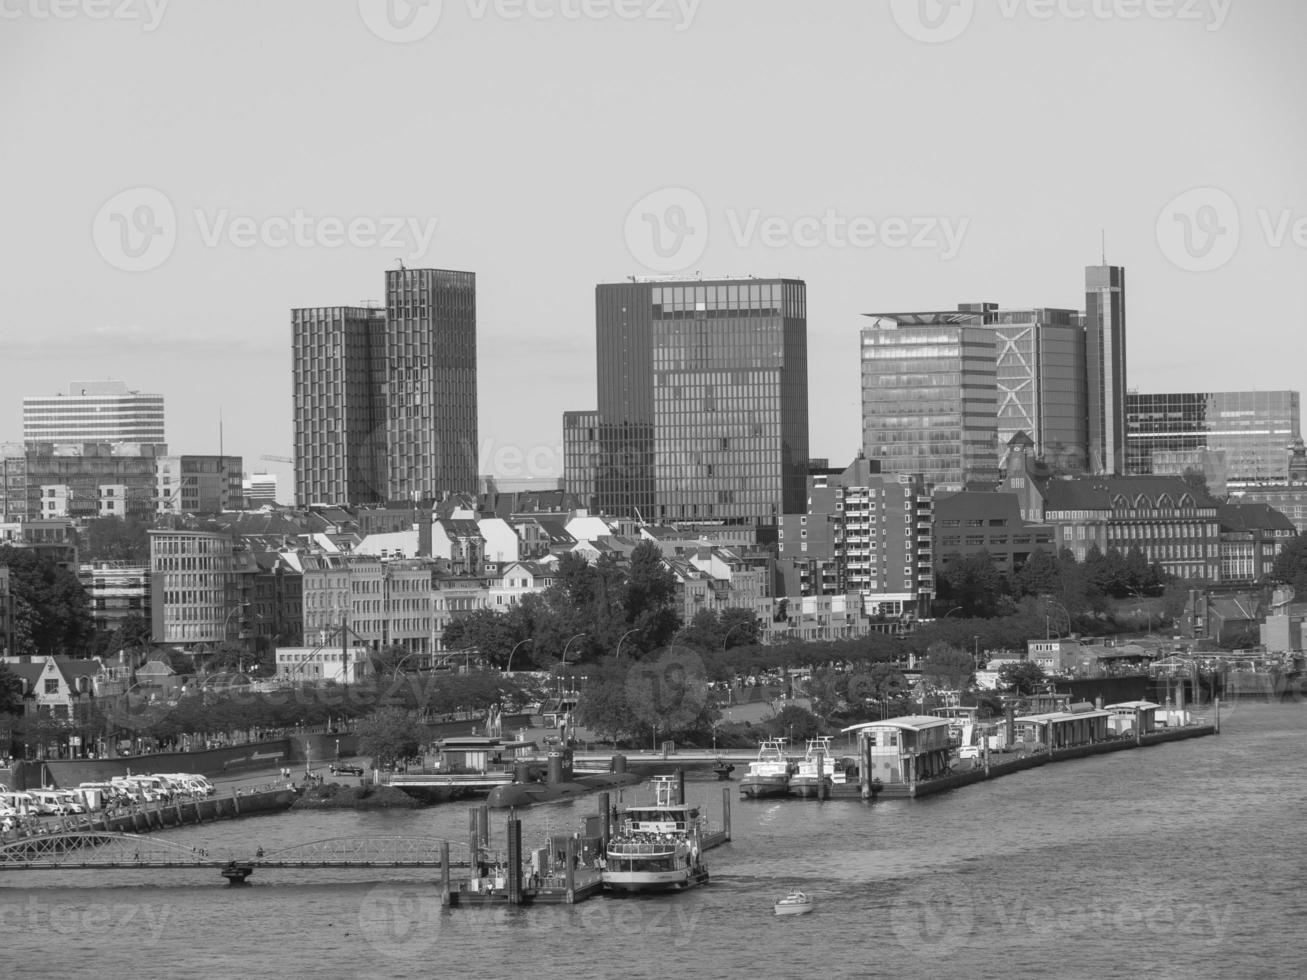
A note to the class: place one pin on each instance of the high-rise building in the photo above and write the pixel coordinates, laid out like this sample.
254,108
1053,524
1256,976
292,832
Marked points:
1232,437
1041,379
930,397
430,385
386,401
1105,341
94,411
339,355
260,489
703,399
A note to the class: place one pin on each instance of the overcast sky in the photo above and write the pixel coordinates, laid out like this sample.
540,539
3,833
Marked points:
178,176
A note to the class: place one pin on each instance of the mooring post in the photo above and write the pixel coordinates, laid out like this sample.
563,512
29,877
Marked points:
483,824
864,770
726,813
822,786
569,872
984,743
1139,725
235,803
605,821
474,842
1217,702
514,859
444,873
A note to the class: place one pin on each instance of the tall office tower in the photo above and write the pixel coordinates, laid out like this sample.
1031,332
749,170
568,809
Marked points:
930,397
386,401
94,411
430,384
1238,437
1041,379
339,354
703,399
1106,367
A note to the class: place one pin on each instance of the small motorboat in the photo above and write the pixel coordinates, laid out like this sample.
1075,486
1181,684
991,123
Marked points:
795,903
723,769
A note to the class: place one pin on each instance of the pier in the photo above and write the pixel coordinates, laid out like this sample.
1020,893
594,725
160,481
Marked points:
561,874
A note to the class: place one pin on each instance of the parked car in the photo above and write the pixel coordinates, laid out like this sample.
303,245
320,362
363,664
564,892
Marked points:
346,769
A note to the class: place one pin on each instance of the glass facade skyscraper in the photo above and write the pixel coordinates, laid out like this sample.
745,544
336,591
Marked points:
386,400
1106,368
1243,436
1040,356
430,386
930,397
703,399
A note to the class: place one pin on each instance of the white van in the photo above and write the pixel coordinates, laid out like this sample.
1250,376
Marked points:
49,803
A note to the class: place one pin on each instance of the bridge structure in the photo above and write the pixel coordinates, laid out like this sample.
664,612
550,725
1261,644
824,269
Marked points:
92,850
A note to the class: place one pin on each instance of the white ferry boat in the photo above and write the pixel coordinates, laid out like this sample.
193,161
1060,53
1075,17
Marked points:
818,766
769,774
657,848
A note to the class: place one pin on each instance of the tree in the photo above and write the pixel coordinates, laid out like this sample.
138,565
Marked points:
947,667
390,736
11,692
651,598
972,583
1022,676
1291,564
794,723
124,539
51,613
1041,574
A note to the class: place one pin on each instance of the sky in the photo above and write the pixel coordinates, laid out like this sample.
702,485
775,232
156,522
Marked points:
179,176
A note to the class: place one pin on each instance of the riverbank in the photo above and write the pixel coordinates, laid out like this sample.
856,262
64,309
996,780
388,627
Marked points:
334,796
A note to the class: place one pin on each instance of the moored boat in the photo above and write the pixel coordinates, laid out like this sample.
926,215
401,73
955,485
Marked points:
769,774
467,767
657,848
817,771
795,903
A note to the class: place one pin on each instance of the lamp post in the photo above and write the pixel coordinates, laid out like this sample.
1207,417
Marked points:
952,611
618,654
395,673
730,631
509,668
567,645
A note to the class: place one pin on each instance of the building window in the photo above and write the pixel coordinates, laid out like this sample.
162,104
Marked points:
52,685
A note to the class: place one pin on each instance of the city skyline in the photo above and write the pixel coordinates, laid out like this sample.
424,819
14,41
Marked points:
540,233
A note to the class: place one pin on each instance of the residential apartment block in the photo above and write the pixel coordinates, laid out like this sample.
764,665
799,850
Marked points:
863,533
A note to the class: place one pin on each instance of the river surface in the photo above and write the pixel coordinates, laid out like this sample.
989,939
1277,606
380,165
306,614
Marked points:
1177,861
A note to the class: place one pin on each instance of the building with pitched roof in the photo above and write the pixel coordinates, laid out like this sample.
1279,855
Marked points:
1252,535
1171,522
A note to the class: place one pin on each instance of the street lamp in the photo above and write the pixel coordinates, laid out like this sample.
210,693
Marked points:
395,673
509,667
730,631
568,644
952,611
618,654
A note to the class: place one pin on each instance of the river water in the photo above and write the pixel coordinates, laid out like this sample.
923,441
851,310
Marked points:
1181,860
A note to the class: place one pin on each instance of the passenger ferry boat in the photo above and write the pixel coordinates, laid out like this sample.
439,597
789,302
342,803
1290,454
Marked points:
657,848
769,774
807,780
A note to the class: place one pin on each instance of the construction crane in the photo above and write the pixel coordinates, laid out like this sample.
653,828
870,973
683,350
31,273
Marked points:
278,459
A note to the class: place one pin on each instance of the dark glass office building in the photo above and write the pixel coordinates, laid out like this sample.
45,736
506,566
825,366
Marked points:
1106,375
703,399
1241,437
